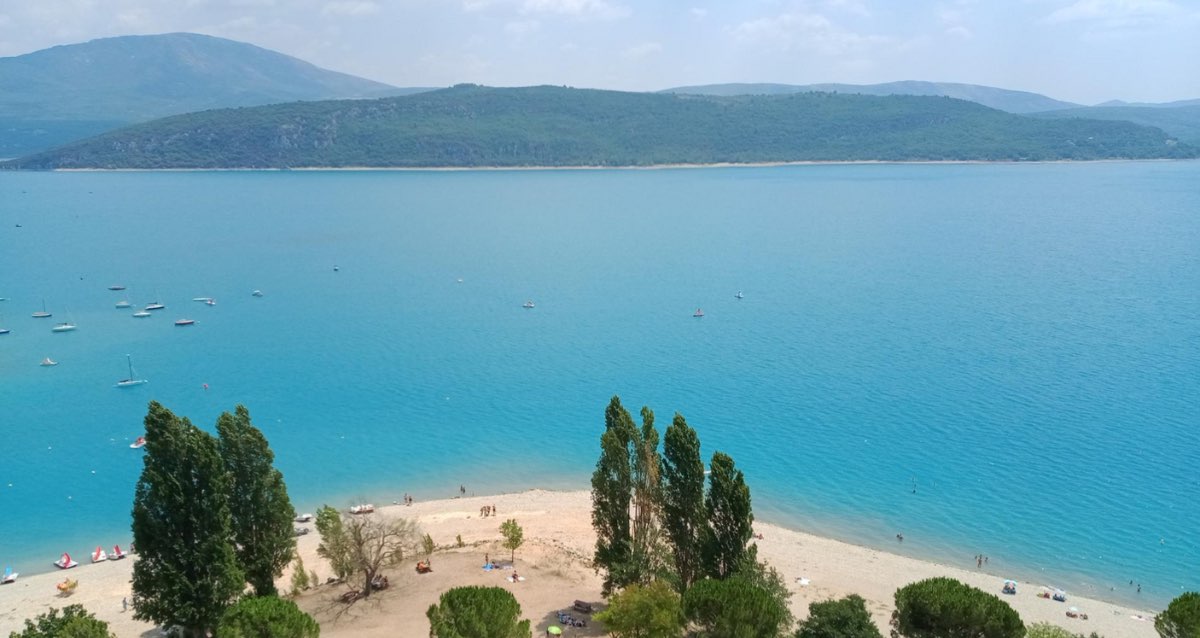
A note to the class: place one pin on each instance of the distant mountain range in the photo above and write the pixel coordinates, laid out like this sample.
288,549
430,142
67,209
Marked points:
1002,99
63,93
471,125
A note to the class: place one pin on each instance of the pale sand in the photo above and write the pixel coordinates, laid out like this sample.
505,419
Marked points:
558,546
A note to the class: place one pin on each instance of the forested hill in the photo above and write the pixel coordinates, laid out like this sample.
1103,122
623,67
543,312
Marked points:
471,125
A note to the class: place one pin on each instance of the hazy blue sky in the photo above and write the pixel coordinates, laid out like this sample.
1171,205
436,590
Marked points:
1079,50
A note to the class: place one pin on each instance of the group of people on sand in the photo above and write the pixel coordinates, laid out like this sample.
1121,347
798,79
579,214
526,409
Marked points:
487,510
408,499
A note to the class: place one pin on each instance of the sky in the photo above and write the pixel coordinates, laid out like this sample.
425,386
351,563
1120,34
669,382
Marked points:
1085,51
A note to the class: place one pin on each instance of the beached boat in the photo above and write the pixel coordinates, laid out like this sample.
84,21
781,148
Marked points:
42,314
138,442
365,508
155,306
99,555
123,304
698,313
9,576
527,304
131,380
117,553
185,322
65,562
116,287
303,518
65,326
48,362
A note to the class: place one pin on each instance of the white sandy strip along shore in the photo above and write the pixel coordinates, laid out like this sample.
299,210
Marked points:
559,540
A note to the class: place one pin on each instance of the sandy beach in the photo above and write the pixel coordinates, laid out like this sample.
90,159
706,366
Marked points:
554,562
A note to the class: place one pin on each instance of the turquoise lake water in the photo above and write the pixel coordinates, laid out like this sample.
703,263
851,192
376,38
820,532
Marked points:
1020,343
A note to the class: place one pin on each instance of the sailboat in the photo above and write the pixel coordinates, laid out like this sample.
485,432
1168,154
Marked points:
131,380
42,314
65,326
48,362
4,331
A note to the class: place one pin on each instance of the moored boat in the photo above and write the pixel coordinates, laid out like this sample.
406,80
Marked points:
142,314
116,287
123,304
65,326
43,313
131,380
527,304
698,313
155,306
185,322
256,293
48,362
138,442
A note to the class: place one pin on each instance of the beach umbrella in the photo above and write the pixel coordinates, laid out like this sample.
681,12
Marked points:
554,630
1074,609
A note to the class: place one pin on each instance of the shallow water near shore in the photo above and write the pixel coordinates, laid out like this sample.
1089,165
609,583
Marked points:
996,359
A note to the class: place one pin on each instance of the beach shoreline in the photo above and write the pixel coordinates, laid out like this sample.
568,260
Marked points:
558,547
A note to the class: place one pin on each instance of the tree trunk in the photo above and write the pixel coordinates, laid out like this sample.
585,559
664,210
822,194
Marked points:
370,578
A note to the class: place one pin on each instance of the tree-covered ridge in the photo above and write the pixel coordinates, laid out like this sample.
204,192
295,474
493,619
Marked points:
469,125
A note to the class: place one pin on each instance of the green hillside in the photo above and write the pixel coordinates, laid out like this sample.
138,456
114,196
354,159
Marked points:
51,96
552,126
1002,99
1181,121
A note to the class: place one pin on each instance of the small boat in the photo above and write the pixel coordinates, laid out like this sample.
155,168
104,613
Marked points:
99,555
303,518
256,293
210,302
698,313
42,314
123,304
335,268
9,576
138,442
65,562
141,314
47,362
131,380
185,322
116,554
739,295
65,326
4,331
155,306
204,299
365,508
116,287
527,304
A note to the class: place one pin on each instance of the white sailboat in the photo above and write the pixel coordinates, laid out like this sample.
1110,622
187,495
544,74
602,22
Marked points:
42,314
131,380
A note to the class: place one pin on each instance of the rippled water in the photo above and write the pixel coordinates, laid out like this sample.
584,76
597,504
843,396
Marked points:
1020,344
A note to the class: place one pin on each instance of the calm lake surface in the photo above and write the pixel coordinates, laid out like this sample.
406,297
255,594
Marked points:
1019,344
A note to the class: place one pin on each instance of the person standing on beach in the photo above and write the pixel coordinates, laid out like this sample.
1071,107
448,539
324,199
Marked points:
124,604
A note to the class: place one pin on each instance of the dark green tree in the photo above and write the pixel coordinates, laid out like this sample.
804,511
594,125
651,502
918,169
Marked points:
735,608
946,608
612,489
335,545
1046,630
514,536
477,612
843,618
75,622
683,513
1181,619
258,502
650,611
266,617
730,518
186,573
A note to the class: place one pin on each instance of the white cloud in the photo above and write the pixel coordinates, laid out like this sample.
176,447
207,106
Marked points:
1114,13
577,8
959,31
350,8
804,31
639,51
698,13
522,28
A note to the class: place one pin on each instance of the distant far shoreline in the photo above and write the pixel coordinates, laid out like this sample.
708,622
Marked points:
632,167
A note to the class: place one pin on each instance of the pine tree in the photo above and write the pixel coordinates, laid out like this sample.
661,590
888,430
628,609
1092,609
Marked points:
477,612
683,513
259,504
612,485
186,573
730,518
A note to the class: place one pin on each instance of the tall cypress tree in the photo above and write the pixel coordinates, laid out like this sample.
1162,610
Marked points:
683,512
258,502
612,485
186,573
730,518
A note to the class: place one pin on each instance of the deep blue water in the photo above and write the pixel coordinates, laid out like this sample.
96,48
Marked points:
1021,343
